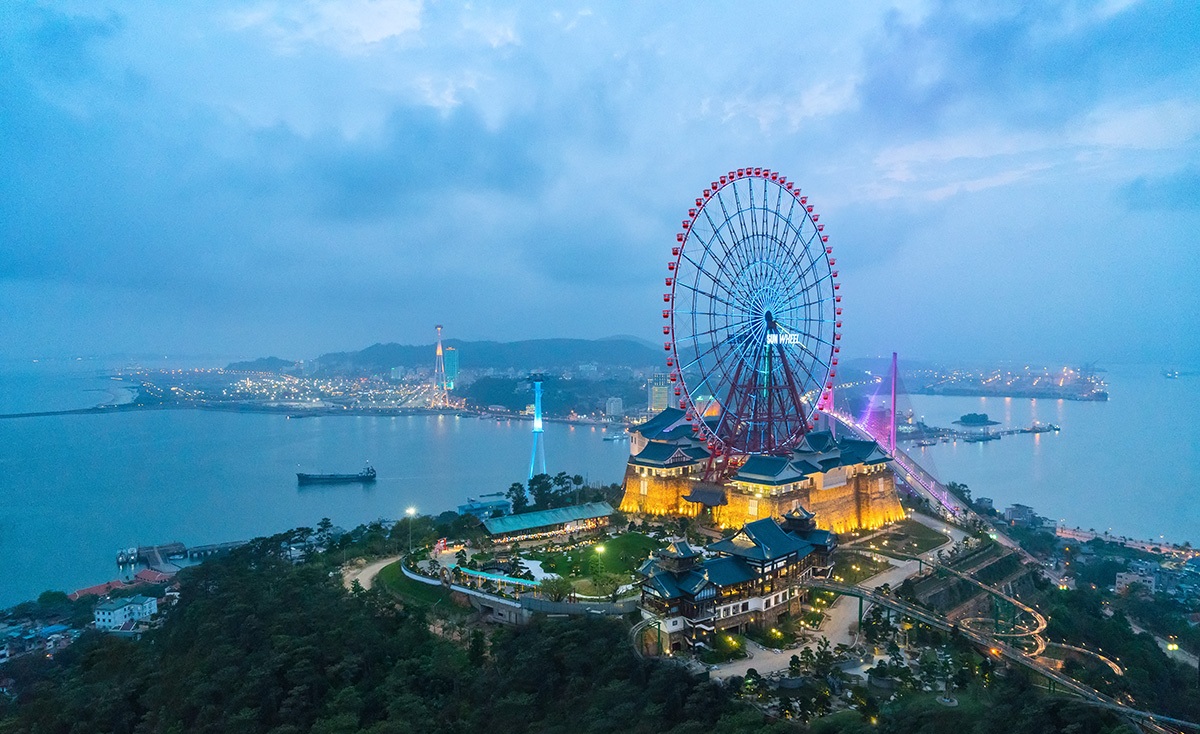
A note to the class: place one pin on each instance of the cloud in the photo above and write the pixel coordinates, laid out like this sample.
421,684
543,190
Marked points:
474,162
1167,124
346,25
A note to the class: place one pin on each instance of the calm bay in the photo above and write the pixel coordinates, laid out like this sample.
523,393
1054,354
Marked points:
76,488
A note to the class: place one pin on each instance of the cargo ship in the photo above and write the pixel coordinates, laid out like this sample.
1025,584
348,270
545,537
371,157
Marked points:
365,476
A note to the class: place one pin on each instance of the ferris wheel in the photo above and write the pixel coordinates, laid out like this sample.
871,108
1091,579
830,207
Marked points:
753,314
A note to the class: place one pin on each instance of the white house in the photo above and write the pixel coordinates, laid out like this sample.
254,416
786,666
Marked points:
115,613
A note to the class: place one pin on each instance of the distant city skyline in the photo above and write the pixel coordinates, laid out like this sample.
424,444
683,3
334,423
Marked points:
253,179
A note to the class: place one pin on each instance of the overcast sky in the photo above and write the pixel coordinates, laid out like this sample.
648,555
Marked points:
1018,182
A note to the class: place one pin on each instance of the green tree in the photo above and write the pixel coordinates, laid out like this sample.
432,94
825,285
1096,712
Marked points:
608,584
541,486
477,647
556,588
794,667
517,496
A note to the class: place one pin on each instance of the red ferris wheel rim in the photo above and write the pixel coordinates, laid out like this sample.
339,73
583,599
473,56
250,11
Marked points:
761,279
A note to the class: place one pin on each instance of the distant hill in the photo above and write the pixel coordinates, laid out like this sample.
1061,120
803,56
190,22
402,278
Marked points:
549,354
262,364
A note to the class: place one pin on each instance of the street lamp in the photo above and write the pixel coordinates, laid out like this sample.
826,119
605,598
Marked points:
412,513
600,556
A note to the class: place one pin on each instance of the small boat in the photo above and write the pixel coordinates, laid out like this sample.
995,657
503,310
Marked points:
365,476
617,437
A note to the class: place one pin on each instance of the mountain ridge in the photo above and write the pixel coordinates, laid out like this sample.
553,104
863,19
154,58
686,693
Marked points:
531,354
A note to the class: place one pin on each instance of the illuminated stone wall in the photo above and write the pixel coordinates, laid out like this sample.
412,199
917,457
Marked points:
651,495
866,500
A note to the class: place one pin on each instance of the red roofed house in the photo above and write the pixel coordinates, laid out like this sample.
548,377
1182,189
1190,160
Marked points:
98,590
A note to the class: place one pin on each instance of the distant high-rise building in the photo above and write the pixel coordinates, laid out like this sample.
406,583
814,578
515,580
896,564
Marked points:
397,373
614,407
440,398
451,360
658,392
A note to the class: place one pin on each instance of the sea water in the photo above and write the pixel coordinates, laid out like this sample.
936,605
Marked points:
76,488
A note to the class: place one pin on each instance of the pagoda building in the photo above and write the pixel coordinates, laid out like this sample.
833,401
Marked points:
847,483
750,579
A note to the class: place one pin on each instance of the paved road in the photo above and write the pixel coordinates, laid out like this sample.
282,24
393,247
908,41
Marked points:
365,576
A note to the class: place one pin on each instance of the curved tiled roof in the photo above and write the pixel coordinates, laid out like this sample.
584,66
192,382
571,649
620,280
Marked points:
761,540
657,453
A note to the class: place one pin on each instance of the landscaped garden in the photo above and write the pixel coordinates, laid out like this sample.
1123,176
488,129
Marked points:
909,537
785,633
851,568
820,601
620,555
724,648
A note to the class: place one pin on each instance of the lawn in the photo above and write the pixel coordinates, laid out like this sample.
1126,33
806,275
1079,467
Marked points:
911,537
621,555
851,568
392,580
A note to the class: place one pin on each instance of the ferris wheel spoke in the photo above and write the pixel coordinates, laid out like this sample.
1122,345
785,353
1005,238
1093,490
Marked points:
750,217
716,283
797,245
791,307
814,379
721,283
751,337
682,277
725,246
791,378
808,287
730,248
741,214
699,335
700,356
707,294
778,207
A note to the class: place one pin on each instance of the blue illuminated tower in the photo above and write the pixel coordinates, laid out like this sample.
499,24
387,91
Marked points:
537,459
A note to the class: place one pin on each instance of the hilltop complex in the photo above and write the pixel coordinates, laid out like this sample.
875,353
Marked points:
846,483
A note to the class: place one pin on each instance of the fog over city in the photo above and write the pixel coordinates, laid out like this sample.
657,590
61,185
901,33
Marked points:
293,178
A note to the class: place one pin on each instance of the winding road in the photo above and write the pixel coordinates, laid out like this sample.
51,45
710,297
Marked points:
365,576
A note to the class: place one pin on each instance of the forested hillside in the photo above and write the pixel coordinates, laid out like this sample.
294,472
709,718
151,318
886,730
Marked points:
258,644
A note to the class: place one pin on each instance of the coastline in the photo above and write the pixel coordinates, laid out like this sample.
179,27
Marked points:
292,412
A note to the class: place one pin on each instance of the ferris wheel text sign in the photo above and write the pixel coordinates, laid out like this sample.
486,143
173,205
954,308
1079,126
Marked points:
783,338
